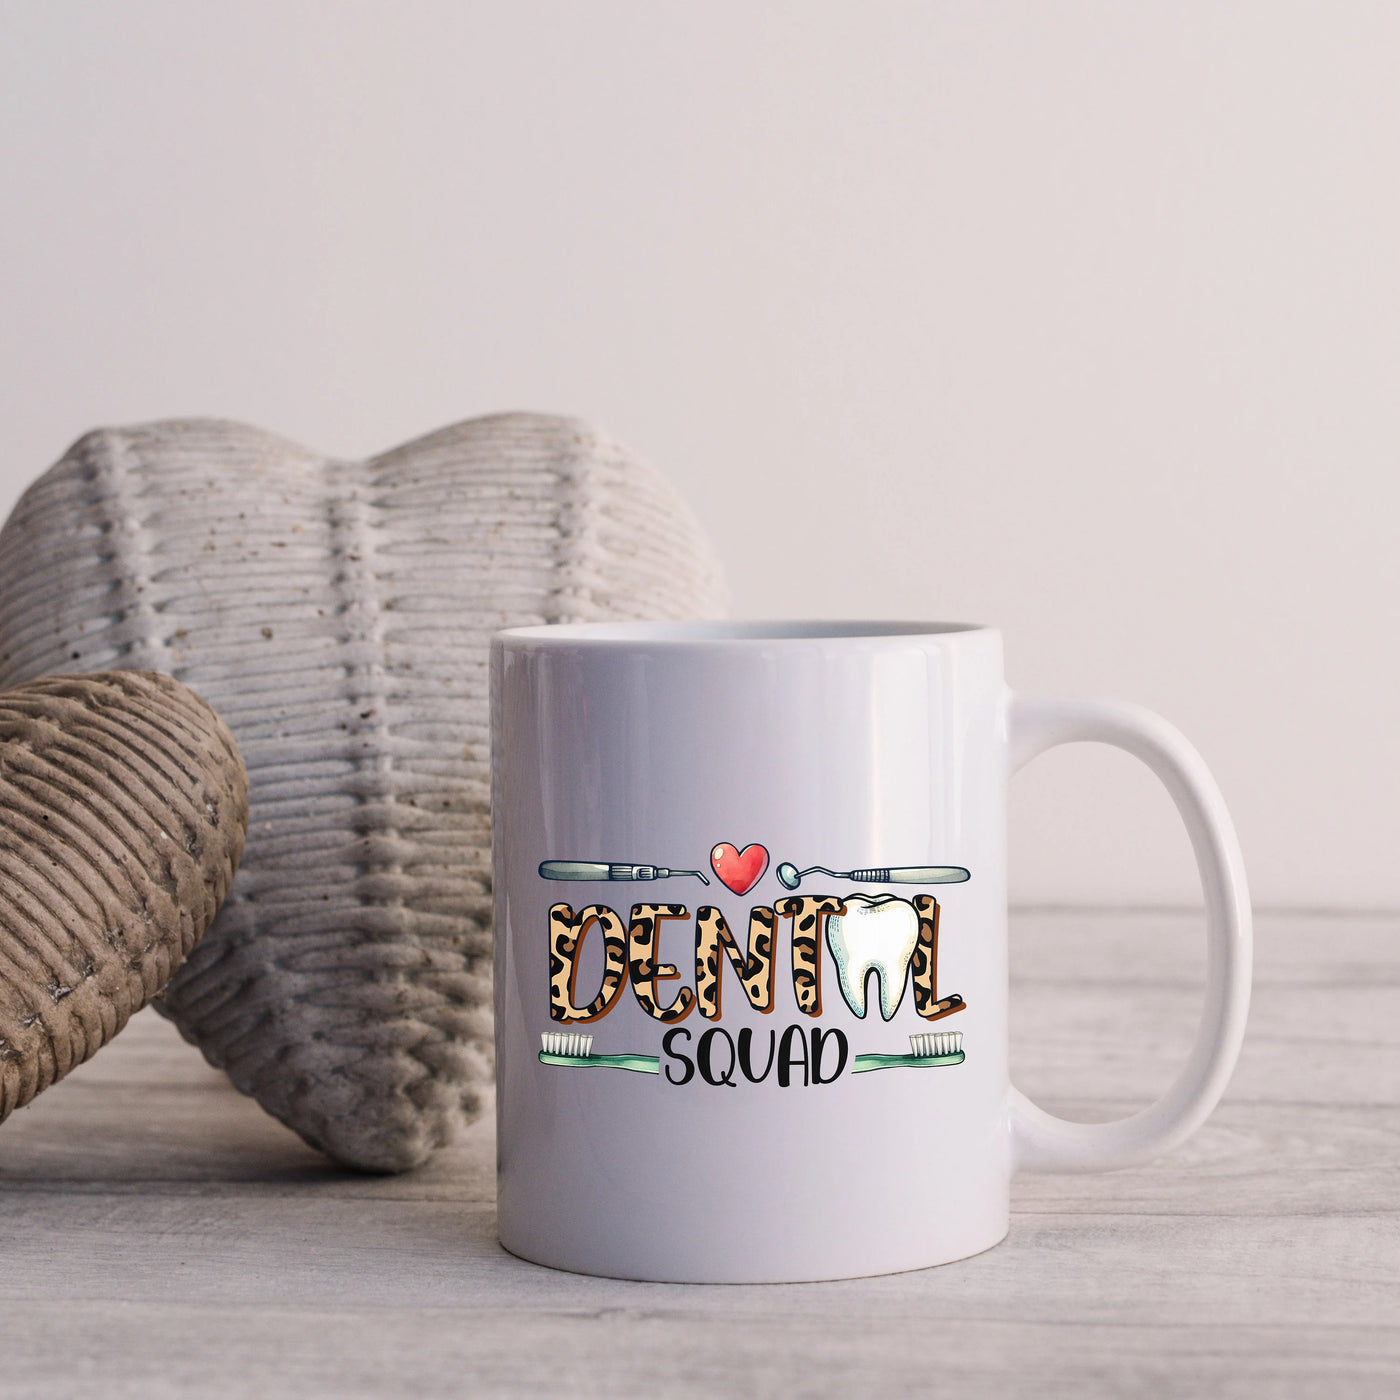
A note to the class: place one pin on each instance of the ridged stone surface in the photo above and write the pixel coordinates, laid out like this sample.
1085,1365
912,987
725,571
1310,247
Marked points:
338,615
123,806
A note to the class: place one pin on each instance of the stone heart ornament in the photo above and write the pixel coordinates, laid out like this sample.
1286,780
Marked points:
338,614
123,806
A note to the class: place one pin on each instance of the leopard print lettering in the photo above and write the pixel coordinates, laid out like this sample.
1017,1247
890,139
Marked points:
566,931
925,964
642,939
807,913
755,969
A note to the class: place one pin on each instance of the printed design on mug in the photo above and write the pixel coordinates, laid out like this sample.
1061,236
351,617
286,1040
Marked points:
790,877
576,1049
739,870
926,1048
873,935
605,870
883,935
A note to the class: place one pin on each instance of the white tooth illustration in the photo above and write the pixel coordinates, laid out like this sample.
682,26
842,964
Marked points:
873,933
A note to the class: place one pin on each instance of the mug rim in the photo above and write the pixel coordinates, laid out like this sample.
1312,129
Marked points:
742,631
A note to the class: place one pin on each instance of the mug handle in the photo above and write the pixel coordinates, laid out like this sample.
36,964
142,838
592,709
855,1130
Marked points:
1042,1142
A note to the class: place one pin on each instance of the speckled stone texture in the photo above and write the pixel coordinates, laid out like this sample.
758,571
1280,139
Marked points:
123,807
338,613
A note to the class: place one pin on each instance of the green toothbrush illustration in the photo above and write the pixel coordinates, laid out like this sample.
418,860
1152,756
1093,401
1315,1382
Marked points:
576,1050
927,1048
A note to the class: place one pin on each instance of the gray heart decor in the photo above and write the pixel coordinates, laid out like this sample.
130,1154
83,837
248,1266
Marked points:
123,806
337,614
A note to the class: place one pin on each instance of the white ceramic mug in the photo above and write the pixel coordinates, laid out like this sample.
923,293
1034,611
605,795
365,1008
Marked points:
751,959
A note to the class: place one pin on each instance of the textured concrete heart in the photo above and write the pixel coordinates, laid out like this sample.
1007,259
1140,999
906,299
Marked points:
123,806
338,615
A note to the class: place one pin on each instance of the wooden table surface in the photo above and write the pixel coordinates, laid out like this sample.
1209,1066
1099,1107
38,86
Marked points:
162,1236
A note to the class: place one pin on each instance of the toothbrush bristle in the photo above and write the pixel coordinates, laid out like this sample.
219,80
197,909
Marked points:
566,1043
928,1044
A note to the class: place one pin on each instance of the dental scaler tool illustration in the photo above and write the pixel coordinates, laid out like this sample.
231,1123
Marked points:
604,870
789,876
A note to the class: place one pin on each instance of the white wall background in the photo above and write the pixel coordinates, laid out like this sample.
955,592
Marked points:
1079,318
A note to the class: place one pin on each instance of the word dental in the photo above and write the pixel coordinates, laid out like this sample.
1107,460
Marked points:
891,937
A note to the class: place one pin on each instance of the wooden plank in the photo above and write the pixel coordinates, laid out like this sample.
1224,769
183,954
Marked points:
1250,1159
162,1236
1284,1160
1302,1046
264,1250
1161,946
149,1352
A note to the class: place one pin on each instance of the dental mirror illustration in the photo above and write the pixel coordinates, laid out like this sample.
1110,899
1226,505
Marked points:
789,876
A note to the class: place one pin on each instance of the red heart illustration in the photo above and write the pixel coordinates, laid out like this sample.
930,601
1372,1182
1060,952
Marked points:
740,870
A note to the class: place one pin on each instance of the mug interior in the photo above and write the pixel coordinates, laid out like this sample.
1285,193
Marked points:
781,630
